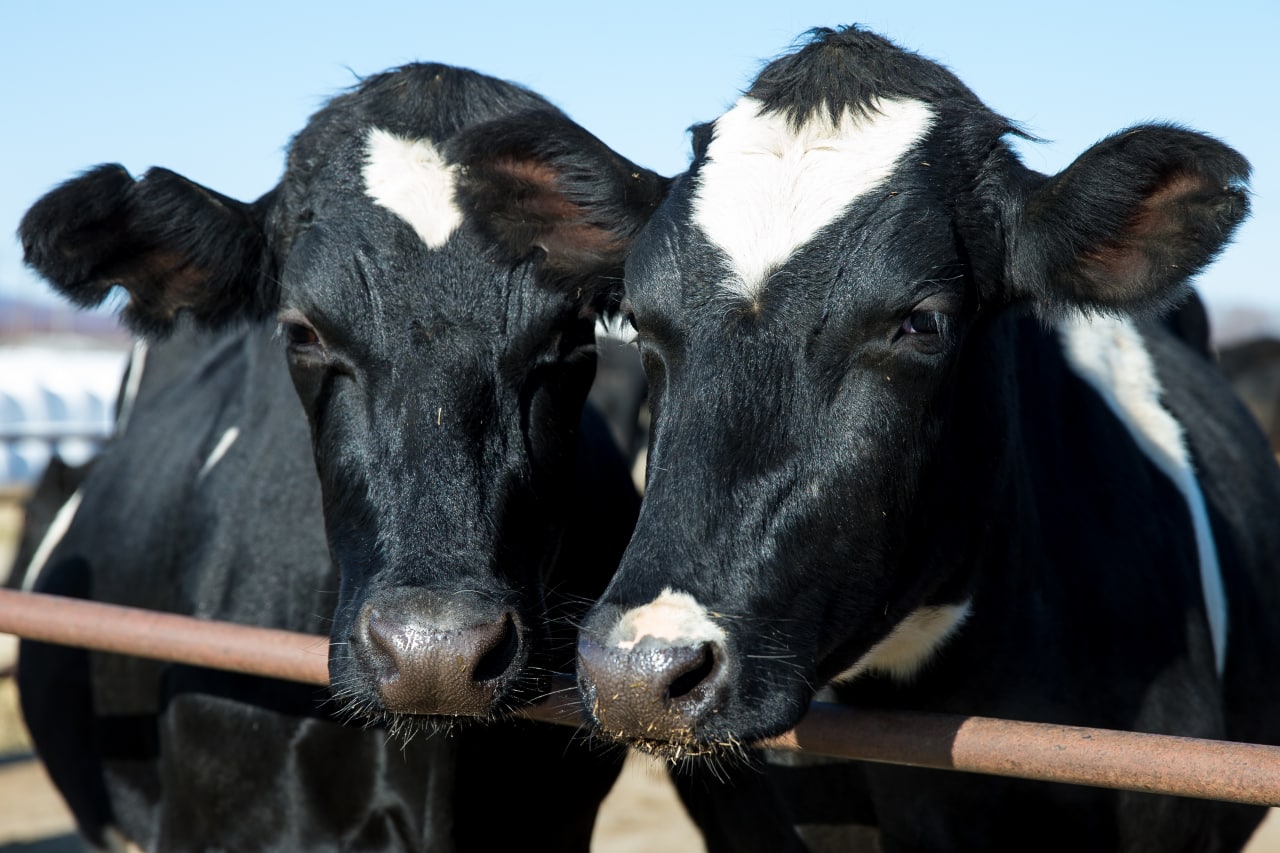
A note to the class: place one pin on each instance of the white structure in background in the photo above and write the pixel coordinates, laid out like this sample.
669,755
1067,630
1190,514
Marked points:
52,398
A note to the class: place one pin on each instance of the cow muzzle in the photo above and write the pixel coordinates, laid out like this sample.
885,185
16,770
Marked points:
427,653
656,696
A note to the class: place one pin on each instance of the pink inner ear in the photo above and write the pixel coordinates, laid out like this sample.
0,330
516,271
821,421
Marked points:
1158,222
565,234
580,240
542,197
1117,263
167,283
1161,214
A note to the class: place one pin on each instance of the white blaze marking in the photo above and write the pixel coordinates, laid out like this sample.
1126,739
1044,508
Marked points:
1109,354
766,189
219,450
673,617
911,642
411,178
52,536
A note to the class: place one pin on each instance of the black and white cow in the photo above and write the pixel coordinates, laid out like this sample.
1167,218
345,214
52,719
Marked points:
436,256
916,441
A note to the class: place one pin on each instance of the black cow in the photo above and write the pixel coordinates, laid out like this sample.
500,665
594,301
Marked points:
53,502
40,512
918,438
436,256
1253,368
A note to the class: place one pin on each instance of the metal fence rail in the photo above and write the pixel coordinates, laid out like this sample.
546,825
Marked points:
1239,772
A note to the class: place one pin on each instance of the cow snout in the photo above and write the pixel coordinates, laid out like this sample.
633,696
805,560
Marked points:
430,656
655,694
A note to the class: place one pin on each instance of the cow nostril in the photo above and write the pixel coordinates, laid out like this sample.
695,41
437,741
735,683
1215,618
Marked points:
655,693
498,659
699,671
386,637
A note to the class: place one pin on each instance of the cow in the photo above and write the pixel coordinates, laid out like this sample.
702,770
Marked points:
40,510
53,500
380,436
921,439
1253,368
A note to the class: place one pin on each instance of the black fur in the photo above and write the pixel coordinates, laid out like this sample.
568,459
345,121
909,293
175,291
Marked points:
173,244
857,69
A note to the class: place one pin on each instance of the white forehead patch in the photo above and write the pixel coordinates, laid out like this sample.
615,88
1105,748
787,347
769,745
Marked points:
767,189
911,642
675,618
1109,354
411,178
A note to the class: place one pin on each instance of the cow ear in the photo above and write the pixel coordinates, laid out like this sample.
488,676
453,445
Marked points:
172,244
539,181
1128,223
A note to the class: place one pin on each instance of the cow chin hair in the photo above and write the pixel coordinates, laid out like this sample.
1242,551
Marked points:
691,756
355,710
405,727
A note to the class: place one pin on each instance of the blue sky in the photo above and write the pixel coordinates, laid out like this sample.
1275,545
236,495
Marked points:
214,91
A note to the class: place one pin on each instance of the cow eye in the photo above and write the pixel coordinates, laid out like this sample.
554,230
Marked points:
301,338
920,323
926,329
299,334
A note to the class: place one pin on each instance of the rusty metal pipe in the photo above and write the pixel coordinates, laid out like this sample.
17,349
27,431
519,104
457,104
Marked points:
1161,764
165,636
1135,761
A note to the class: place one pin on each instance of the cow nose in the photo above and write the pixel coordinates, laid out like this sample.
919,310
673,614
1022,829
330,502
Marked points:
428,663
653,691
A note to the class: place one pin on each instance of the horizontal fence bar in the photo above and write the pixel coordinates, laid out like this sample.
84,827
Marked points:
1159,764
1134,761
165,636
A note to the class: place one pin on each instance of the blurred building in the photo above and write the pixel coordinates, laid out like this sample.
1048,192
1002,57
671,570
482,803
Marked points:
60,372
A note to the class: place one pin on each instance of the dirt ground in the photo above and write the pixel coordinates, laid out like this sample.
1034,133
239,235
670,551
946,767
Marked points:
641,814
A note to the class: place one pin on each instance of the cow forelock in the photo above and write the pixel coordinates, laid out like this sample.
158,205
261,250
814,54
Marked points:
412,179
767,187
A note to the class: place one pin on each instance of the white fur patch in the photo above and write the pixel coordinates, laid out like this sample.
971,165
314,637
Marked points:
676,618
219,450
615,328
766,189
117,842
57,529
132,384
911,642
411,178
1109,354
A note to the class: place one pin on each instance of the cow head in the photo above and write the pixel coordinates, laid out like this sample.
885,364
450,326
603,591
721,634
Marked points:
436,256
819,303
